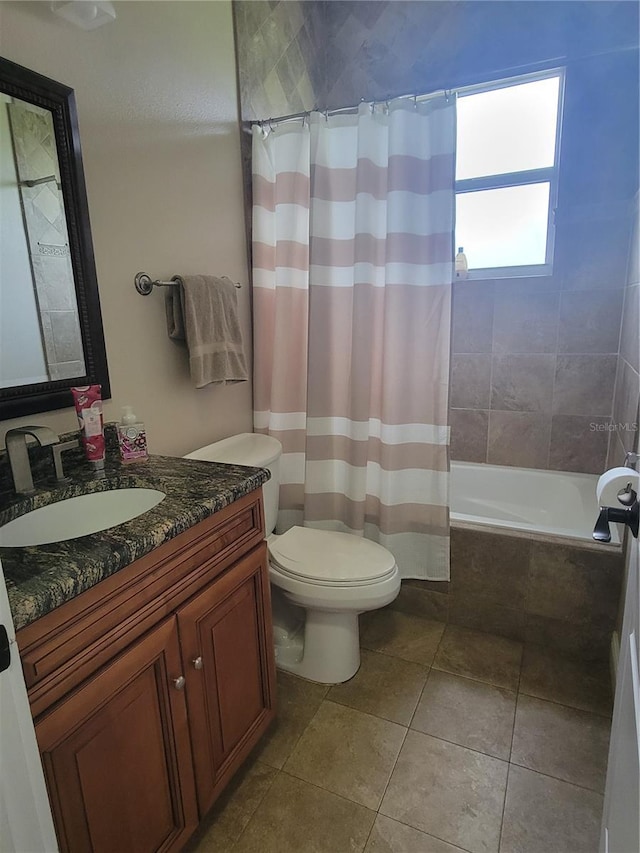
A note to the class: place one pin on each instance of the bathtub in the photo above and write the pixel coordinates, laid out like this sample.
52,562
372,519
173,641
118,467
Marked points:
524,564
524,499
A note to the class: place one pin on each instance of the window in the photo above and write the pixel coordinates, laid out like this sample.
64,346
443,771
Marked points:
507,174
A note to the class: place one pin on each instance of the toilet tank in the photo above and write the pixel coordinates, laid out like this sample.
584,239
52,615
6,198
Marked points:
259,451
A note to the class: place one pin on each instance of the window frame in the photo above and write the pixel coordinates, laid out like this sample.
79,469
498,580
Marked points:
549,174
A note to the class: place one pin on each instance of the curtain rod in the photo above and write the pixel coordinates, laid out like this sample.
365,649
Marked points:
352,108
493,77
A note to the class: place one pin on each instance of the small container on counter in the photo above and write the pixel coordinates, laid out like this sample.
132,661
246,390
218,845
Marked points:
132,437
88,403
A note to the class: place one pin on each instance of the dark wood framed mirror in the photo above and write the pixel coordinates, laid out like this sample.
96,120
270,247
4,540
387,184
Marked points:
51,334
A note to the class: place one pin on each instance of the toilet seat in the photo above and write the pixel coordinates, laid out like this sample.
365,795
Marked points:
327,558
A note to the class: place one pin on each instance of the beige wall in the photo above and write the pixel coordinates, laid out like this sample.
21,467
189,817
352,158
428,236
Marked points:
157,106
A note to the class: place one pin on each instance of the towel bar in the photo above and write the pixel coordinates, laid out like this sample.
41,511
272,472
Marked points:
145,284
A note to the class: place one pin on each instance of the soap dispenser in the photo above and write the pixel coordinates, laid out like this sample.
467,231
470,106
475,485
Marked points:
132,437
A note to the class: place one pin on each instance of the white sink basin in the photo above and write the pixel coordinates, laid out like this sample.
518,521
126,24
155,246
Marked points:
79,516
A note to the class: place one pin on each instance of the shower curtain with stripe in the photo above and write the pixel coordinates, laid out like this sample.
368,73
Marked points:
352,266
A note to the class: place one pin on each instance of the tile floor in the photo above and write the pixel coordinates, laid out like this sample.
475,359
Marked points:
447,739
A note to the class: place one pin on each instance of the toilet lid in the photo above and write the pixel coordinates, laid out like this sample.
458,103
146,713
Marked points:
329,557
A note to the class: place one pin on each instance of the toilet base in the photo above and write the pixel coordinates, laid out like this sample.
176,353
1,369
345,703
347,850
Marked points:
327,651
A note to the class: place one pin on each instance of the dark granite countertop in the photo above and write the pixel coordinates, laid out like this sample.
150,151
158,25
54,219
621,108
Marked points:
40,578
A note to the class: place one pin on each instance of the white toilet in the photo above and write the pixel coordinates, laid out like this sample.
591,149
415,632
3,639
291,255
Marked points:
320,580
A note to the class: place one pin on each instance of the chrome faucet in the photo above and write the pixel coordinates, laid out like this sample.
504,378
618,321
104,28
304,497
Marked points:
16,444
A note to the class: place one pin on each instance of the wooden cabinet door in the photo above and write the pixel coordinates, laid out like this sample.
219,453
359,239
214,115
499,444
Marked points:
117,754
227,646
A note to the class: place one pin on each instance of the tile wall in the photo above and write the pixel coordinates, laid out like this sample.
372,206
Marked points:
280,60
623,436
281,56
561,597
299,54
534,361
376,49
624,432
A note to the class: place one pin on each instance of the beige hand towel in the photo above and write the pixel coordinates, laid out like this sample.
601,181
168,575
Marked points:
203,311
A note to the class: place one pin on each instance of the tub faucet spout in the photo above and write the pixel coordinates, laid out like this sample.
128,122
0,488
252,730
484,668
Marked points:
16,444
629,515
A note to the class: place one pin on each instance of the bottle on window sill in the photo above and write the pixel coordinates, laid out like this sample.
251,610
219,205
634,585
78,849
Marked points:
461,265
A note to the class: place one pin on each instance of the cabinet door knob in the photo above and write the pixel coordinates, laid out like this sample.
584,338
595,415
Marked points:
197,662
179,682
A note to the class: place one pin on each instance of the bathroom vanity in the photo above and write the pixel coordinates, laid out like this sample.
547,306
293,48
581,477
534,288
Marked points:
149,668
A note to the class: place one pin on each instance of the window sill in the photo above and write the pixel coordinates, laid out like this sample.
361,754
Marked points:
533,271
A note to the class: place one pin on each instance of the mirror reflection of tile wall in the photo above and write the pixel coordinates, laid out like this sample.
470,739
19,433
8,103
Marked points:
46,229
